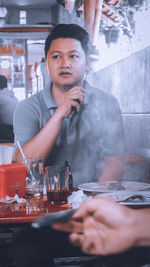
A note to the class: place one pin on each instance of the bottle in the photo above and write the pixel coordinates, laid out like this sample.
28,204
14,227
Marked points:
66,175
70,179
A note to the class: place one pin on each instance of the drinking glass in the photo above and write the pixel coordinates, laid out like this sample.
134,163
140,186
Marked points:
57,180
35,183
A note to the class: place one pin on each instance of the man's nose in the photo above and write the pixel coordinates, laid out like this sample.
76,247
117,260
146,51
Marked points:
65,62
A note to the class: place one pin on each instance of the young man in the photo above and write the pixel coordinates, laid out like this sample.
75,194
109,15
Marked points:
71,120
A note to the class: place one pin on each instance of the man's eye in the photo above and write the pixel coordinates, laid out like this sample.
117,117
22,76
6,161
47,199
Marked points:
56,57
74,56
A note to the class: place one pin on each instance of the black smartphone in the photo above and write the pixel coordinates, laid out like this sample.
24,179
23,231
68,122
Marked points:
77,100
50,218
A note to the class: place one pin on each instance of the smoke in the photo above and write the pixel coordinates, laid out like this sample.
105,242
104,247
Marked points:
128,80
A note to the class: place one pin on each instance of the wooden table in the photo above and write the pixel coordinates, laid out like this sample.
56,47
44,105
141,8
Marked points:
29,211
14,217
17,216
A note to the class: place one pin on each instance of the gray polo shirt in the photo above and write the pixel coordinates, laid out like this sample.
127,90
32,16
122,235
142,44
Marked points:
86,137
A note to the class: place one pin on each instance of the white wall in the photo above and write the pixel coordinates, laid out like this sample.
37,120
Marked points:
34,16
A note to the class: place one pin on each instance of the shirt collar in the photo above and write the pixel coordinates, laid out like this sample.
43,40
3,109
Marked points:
48,99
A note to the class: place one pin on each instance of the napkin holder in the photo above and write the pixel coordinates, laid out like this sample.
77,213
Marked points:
13,180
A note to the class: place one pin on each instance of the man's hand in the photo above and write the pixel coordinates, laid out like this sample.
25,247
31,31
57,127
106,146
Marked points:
101,226
113,169
69,101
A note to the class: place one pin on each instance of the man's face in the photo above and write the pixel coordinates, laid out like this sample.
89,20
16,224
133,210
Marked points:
66,62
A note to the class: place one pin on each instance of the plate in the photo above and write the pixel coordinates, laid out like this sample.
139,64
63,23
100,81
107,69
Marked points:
105,186
120,196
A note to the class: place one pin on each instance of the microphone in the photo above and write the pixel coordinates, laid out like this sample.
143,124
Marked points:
78,101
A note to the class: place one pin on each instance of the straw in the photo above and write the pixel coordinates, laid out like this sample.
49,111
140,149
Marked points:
25,160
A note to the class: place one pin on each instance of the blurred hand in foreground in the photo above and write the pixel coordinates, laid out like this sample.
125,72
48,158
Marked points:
101,226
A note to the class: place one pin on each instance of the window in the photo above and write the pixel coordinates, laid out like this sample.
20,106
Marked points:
23,19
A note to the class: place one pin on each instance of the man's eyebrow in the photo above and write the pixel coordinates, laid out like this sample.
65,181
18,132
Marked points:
72,51
60,51
55,51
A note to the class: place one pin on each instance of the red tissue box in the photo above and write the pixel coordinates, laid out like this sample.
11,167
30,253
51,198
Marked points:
13,180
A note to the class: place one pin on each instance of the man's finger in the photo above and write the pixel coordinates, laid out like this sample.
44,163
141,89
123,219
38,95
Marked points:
76,239
84,242
71,226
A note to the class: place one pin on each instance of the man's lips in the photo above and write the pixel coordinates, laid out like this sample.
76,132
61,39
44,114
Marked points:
65,73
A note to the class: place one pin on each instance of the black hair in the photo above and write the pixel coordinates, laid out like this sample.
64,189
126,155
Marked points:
3,82
68,31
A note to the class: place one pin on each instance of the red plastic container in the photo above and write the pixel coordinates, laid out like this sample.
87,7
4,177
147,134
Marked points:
13,180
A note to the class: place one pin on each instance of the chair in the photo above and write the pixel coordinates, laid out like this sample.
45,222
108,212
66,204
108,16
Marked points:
6,133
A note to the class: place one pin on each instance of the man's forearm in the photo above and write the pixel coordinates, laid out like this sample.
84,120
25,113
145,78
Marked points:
113,169
41,144
109,174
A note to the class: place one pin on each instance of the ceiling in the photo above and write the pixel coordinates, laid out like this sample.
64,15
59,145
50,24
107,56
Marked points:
109,27
119,39
27,3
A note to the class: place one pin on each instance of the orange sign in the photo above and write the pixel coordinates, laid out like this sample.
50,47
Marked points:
11,49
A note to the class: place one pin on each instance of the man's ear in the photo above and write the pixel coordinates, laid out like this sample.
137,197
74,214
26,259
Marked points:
46,63
88,65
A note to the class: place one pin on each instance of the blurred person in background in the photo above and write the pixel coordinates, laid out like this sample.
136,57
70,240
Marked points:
8,103
70,119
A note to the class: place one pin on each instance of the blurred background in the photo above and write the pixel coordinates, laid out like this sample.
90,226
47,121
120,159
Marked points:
120,56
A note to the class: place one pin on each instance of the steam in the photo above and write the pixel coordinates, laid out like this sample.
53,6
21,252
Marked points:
128,80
